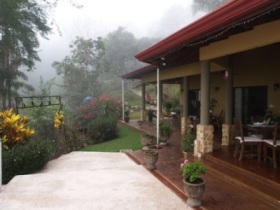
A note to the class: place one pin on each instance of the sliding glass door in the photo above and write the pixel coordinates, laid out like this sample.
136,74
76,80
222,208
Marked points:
250,102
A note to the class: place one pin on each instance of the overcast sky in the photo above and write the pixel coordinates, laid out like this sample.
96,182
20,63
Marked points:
98,18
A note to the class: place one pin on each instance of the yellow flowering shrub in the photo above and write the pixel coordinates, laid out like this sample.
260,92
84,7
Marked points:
58,120
13,128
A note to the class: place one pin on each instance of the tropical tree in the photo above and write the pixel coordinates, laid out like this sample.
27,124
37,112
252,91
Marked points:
82,69
121,46
20,21
207,5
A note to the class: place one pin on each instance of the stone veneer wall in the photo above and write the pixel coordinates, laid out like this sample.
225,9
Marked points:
183,126
227,135
204,140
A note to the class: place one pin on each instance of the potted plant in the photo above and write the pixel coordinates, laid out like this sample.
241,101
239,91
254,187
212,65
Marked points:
193,183
188,141
150,114
150,158
165,130
213,104
147,140
126,115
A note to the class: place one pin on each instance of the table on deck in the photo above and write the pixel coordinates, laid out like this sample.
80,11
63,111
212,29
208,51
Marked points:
263,129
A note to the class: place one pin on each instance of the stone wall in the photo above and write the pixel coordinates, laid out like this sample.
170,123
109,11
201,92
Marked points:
227,135
204,140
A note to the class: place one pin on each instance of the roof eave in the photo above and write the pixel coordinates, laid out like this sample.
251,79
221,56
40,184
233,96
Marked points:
230,12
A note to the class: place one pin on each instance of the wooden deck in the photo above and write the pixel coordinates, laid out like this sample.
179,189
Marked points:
230,184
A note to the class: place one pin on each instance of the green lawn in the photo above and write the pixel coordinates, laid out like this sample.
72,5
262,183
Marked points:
129,138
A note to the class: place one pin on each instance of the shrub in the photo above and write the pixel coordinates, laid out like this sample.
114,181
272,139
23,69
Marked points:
13,128
101,107
102,129
41,120
25,158
188,140
193,171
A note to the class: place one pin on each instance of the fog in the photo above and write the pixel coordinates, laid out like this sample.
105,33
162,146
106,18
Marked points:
146,18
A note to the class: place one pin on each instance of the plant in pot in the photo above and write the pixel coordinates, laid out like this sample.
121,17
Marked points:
188,141
150,114
193,183
165,130
126,115
147,140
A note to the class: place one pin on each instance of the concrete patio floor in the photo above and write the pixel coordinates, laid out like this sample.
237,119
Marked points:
89,180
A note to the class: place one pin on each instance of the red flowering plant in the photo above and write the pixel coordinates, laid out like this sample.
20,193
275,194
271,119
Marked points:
102,106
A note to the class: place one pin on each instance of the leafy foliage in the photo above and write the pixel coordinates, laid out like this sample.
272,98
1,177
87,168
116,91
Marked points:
188,140
20,22
103,106
81,70
25,159
165,128
13,128
193,171
101,129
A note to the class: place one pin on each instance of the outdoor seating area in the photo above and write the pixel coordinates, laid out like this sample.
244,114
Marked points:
265,136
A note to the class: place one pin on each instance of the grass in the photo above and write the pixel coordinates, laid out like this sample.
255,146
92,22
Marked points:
135,115
129,138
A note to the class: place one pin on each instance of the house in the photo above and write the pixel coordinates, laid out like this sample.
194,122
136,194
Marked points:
232,55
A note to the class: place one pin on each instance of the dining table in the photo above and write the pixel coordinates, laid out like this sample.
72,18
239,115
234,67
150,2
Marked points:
262,129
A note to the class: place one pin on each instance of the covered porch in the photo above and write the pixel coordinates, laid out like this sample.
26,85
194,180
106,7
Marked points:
235,60
231,184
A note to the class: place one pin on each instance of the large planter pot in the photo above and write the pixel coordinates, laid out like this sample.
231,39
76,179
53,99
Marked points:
146,140
126,119
150,158
194,192
185,155
164,139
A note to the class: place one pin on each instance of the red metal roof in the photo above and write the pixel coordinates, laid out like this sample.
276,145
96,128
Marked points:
220,18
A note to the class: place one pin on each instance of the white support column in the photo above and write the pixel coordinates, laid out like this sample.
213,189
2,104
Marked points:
229,98
185,108
205,92
143,111
158,112
123,99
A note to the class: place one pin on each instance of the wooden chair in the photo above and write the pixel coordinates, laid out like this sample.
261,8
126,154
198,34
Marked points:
241,140
274,145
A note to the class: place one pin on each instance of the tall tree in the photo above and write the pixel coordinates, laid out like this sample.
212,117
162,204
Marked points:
82,69
20,21
207,5
121,46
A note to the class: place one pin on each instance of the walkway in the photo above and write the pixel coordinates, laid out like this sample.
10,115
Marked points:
89,180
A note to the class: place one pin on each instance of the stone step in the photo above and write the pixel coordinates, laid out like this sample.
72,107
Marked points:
259,186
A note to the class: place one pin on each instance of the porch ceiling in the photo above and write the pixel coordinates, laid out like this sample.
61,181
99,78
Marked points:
139,72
